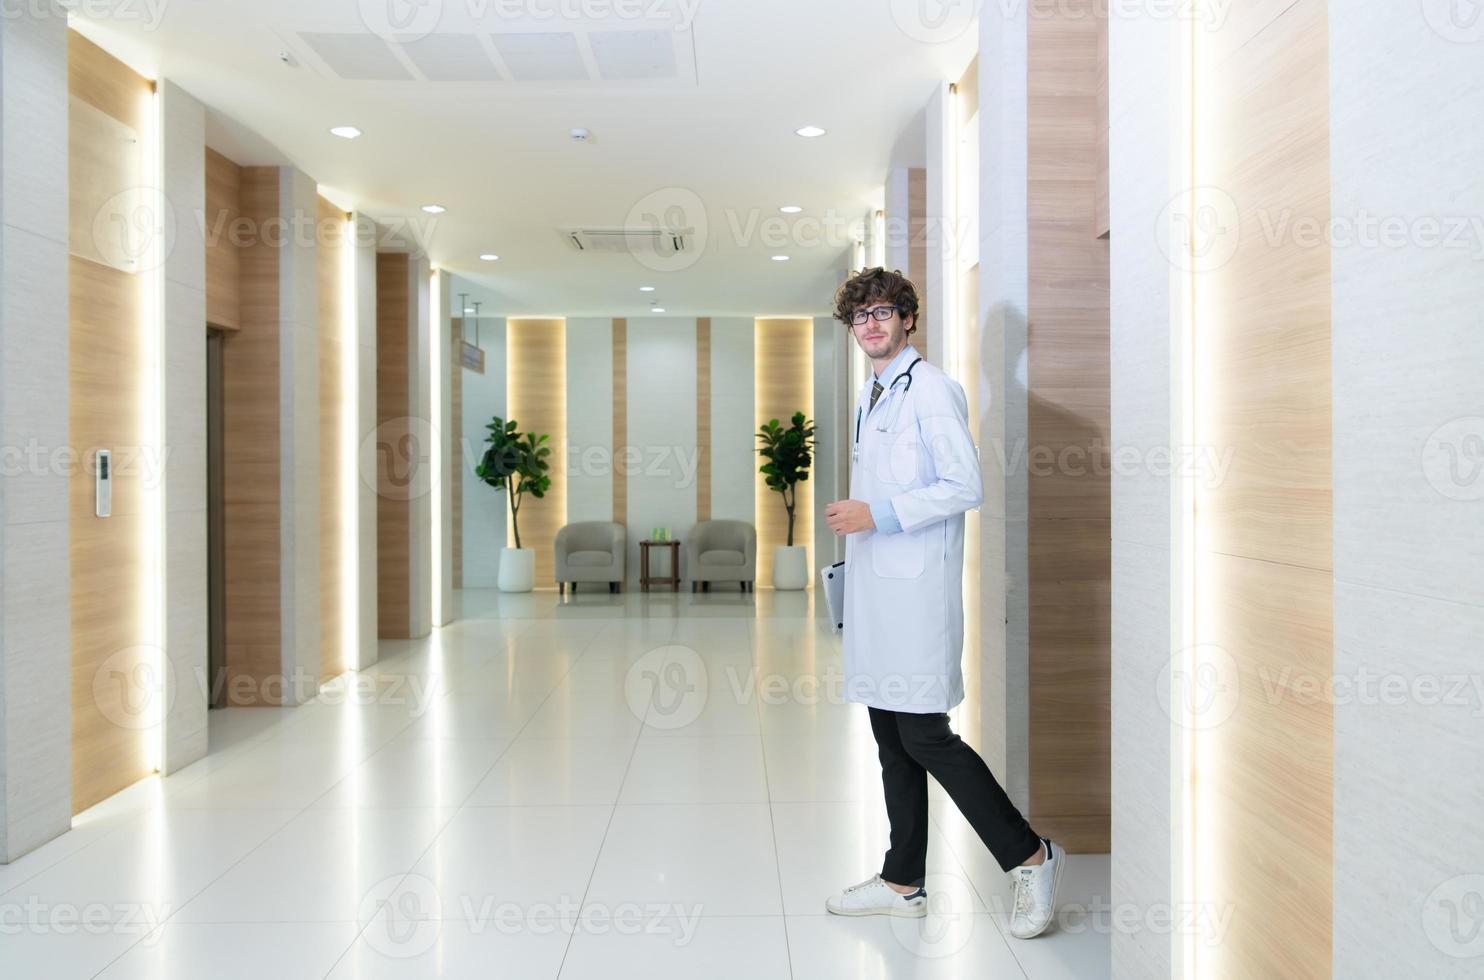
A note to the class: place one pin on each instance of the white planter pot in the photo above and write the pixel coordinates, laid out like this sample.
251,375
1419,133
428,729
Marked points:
790,568
517,569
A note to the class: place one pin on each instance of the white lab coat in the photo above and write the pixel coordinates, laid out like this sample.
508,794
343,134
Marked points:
904,612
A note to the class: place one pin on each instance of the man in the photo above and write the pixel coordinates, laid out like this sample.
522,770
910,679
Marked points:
914,474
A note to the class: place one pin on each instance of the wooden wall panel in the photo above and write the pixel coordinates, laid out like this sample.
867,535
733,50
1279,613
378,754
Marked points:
536,383
783,366
223,255
1069,505
1101,218
1264,589
620,418
109,558
335,657
393,403
703,419
251,498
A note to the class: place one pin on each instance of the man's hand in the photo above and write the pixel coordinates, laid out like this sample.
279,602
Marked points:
849,516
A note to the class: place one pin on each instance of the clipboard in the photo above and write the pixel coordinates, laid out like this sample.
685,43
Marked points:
832,581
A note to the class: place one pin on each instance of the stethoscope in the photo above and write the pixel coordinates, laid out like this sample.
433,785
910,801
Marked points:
883,423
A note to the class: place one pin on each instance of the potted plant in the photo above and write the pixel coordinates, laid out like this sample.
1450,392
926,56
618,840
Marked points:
787,453
515,463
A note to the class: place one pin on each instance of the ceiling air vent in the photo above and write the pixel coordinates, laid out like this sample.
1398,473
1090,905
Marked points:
628,241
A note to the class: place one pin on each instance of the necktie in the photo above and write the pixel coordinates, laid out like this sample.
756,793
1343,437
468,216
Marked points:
876,390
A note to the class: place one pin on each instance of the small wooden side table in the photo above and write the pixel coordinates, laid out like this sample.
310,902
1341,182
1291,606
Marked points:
672,579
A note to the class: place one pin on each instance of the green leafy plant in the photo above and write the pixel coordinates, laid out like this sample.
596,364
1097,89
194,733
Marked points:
516,463
787,453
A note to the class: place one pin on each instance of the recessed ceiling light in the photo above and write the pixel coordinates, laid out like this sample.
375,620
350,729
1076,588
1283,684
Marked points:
646,289
790,209
809,132
780,258
658,309
346,132
434,208
489,257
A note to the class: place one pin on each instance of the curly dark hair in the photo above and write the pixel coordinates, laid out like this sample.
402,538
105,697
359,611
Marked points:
876,285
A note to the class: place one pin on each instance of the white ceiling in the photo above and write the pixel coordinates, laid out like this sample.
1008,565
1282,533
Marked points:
692,116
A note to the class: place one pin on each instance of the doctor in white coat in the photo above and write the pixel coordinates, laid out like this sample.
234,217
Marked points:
914,473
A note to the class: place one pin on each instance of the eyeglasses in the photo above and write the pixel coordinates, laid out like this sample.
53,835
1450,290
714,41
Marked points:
879,313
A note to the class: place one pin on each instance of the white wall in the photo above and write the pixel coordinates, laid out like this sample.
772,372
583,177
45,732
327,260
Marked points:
831,447
942,261
186,627
35,628
299,446
484,507
1144,130
734,419
1408,347
662,430
1003,299
589,419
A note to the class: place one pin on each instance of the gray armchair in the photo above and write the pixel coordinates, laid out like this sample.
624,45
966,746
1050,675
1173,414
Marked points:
722,551
590,551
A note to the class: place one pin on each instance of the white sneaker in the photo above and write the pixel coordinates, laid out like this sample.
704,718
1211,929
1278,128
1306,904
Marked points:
876,897
1035,895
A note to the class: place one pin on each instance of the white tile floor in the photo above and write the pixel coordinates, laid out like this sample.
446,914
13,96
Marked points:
641,785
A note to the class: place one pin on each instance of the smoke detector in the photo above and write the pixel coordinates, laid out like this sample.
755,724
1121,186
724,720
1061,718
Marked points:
580,135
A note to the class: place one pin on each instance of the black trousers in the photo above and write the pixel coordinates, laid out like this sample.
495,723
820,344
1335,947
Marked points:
913,745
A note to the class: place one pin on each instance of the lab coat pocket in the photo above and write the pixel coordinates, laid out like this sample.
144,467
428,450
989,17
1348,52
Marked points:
899,555
897,463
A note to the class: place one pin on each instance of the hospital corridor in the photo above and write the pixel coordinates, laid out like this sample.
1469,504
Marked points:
741,490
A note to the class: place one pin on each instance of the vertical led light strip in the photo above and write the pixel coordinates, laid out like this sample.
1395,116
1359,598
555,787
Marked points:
435,451
350,406
152,422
